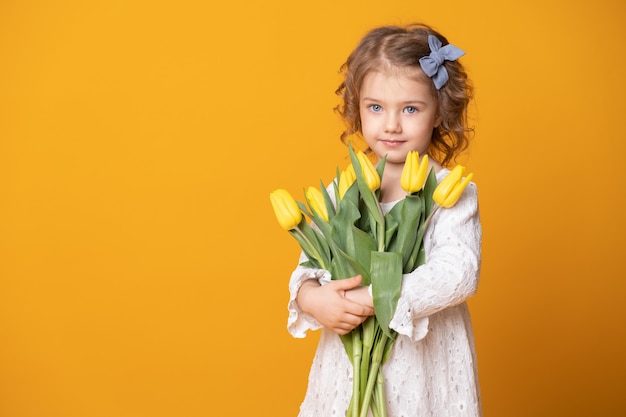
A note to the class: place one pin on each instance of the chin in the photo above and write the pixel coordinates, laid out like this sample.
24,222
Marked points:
396,157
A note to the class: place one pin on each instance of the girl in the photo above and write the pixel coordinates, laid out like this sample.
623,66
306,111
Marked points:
404,90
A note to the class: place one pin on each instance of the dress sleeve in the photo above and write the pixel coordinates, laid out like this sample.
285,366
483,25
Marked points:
450,274
300,322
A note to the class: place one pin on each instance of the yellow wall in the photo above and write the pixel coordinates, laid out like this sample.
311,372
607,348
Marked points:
141,270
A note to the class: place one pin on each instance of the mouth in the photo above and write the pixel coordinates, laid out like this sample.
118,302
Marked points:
392,143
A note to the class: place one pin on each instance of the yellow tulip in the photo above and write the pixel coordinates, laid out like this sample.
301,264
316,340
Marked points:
451,187
414,172
316,202
372,179
346,179
286,209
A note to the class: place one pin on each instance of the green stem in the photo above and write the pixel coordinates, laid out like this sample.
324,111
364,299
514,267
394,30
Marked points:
379,348
424,226
370,328
380,392
380,341
374,404
381,237
430,215
357,348
381,227
312,248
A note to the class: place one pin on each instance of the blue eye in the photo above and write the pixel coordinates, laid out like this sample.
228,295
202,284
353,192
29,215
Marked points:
411,110
376,107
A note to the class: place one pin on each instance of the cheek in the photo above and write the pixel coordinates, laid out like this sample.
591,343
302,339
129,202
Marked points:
368,131
369,126
365,121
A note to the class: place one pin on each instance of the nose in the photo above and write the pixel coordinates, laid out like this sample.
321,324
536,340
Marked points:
392,123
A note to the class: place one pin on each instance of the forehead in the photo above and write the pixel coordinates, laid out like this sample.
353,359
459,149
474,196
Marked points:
397,84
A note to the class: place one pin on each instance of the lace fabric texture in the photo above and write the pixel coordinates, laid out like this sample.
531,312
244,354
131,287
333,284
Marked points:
432,367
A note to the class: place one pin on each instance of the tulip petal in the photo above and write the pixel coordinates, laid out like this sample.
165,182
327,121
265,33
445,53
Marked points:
456,192
447,184
316,202
286,209
422,173
346,179
410,165
370,199
369,172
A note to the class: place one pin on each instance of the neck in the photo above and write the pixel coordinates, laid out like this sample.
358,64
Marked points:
390,189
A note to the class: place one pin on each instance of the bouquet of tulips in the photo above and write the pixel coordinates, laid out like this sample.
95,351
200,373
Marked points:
352,236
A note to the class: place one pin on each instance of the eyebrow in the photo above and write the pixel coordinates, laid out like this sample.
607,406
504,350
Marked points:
404,102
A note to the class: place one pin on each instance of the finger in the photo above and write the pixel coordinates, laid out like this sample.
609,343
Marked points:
358,309
341,332
352,321
348,283
345,328
349,325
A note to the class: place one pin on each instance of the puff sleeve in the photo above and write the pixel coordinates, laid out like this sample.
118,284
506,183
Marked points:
299,322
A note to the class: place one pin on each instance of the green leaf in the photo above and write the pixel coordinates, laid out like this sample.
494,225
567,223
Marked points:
340,268
313,244
351,197
363,245
386,273
421,257
391,227
366,221
388,347
368,196
305,209
347,344
428,190
380,168
345,265
315,258
336,184
413,261
350,243
408,214
330,207
344,220
323,246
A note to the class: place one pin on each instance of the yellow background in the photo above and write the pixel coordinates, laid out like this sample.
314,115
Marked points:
142,272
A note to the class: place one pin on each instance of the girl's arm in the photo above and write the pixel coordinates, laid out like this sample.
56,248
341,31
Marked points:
450,274
330,306
316,301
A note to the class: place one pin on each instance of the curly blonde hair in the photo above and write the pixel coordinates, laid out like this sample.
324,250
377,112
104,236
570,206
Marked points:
395,47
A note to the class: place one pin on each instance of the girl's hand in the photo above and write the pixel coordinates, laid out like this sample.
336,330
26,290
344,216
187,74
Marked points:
360,295
330,305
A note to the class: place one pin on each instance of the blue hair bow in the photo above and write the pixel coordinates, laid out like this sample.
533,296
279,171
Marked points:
432,65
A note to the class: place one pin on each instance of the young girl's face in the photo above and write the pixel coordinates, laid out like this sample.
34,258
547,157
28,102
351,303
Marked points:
398,114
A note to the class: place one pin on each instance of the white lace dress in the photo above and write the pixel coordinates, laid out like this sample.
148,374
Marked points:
432,368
